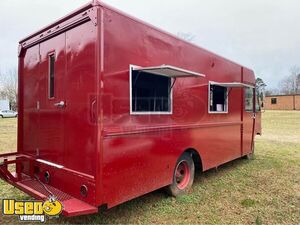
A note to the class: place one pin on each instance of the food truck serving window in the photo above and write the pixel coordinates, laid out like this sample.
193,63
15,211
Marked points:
218,95
151,88
218,99
150,93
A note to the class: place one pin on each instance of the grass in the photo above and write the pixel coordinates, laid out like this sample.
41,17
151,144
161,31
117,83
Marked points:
265,190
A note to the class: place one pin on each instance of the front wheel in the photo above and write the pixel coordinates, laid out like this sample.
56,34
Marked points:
1,116
183,176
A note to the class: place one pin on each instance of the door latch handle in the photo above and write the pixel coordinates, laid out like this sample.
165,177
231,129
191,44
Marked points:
60,104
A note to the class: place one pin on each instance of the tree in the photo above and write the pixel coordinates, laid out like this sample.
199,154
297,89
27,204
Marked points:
260,85
186,36
260,88
291,84
9,87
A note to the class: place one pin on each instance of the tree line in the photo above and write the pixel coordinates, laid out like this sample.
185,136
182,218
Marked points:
289,85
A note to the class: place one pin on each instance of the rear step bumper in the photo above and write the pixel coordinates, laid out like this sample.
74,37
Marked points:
71,206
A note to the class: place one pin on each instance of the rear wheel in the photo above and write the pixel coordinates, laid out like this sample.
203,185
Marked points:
183,176
1,116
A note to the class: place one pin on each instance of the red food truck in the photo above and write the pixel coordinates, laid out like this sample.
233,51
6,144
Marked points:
111,108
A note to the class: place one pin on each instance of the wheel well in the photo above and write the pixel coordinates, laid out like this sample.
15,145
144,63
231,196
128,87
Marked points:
196,158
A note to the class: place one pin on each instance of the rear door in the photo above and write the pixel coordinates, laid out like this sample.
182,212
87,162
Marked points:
68,107
60,99
31,100
52,102
248,120
80,91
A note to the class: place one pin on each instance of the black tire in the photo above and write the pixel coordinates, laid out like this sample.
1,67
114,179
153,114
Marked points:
1,116
183,176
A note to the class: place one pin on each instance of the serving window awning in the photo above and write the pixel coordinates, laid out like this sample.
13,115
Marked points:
169,71
232,84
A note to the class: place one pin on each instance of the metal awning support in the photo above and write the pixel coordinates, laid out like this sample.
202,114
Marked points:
169,71
232,84
172,85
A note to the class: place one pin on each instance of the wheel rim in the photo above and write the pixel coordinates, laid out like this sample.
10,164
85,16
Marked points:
182,175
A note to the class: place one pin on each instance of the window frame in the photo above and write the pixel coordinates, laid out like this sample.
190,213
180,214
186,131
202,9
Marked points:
50,55
226,100
131,67
253,100
273,102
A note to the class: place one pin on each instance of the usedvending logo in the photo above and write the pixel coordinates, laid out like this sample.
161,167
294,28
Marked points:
32,210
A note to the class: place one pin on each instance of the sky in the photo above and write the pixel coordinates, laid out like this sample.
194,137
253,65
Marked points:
263,35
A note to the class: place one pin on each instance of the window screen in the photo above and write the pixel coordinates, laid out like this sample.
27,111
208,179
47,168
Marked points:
218,98
249,99
51,75
273,101
150,93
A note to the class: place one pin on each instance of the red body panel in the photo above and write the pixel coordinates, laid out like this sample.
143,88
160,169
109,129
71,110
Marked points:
96,140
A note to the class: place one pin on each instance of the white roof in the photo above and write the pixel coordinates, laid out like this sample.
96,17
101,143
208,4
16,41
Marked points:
169,71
